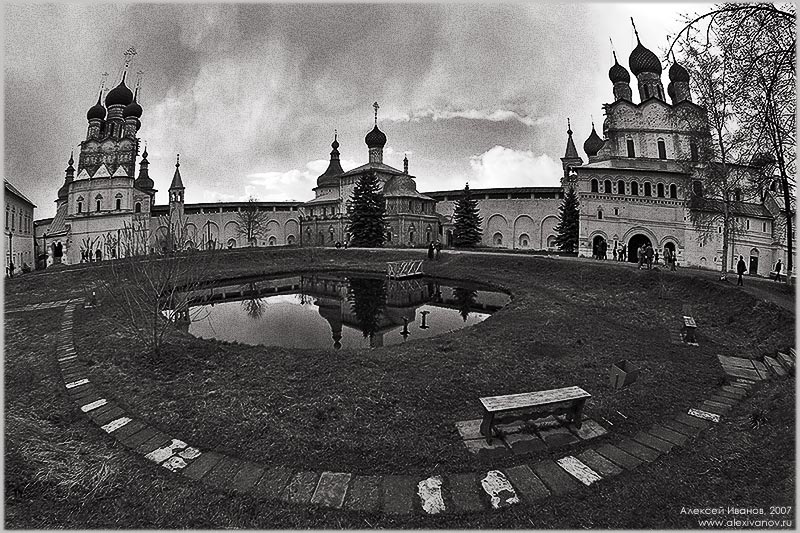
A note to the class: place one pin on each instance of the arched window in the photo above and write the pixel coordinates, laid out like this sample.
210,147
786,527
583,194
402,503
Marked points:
138,207
594,185
673,191
693,150
660,190
119,204
631,150
80,207
737,194
599,213
607,186
98,205
635,188
648,190
662,149
620,187
497,239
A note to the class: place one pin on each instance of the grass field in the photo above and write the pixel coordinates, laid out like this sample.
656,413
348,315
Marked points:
392,410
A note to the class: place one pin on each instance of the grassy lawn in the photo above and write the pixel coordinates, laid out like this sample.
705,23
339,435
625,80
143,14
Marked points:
391,410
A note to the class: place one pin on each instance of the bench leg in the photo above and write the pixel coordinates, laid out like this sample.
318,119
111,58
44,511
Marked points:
486,427
577,415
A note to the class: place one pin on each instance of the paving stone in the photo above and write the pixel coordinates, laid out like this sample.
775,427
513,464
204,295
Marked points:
115,424
273,482
398,494
737,391
463,492
678,427
746,384
546,423
528,485
639,450
554,477
161,454
301,487
153,443
201,466
579,470
129,429
618,456
139,437
76,383
83,393
247,477
102,417
787,361
762,370
693,421
364,494
174,463
487,451
720,393
91,406
512,427
724,400
331,489
557,437
221,476
775,366
716,408
589,430
740,362
741,372
469,429
651,441
792,353
599,464
500,491
699,413
663,433
522,443
429,491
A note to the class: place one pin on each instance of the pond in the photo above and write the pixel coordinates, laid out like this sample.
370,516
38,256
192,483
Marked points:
335,310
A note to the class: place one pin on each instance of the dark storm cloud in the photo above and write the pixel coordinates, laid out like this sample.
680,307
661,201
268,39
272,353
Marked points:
250,92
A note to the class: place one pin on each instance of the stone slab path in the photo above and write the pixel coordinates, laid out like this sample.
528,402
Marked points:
459,492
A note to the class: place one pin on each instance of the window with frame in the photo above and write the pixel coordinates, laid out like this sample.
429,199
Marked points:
660,190
607,187
80,207
119,204
635,188
662,149
620,187
694,152
631,148
673,191
98,205
648,190
594,185
599,214
13,218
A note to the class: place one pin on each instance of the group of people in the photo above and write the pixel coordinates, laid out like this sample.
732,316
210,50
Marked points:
434,250
741,270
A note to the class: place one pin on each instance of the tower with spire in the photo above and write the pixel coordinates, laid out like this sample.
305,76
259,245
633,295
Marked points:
176,190
375,140
571,158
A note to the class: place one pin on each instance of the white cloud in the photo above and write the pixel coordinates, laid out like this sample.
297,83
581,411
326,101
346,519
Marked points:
494,115
505,167
274,185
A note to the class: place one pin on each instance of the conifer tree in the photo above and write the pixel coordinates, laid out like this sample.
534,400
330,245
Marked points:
567,227
466,221
366,212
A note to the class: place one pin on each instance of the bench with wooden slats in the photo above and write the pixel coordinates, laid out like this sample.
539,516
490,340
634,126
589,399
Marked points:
689,327
568,401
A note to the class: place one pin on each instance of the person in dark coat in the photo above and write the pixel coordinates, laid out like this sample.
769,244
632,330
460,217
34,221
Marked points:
778,268
741,268
648,253
430,251
438,248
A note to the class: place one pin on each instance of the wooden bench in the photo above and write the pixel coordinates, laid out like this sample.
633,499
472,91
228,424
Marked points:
568,400
689,327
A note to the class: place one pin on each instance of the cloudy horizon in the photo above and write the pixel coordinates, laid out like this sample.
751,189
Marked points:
250,94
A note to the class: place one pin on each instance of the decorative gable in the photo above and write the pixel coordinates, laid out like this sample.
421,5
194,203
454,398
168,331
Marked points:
83,175
102,172
120,172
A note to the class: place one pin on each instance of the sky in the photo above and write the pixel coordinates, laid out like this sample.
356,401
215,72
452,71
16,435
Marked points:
250,94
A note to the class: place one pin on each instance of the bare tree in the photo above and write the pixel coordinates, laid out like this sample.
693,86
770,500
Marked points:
251,222
758,45
149,294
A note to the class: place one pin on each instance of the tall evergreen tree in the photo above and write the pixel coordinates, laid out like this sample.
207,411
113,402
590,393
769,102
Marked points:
366,212
466,221
567,227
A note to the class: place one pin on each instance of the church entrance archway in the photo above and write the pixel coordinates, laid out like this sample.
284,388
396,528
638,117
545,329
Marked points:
633,245
599,247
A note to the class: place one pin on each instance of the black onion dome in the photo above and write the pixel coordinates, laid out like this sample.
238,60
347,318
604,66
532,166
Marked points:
678,73
643,60
671,90
97,111
119,95
132,110
375,138
593,144
617,73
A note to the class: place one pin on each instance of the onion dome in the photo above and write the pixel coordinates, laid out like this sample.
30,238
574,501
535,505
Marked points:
334,167
617,73
133,109
671,90
678,73
119,95
375,138
97,111
643,60
593,144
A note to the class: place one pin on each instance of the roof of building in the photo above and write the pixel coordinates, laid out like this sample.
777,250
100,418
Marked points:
403,186
498,190
43,221
638,164
593,143
330,198
119,95
210,205
571,152
16,192
748,209
58,226
373,166
617,73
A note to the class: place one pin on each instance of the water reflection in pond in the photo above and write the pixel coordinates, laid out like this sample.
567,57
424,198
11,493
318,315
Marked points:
335,310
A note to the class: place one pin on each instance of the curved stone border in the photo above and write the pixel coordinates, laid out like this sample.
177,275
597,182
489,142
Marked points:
401,494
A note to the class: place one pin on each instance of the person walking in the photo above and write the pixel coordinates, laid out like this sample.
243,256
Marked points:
778,268
430,251
614,252
741,268
656,256
640,256
673,260
648,253
438,248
